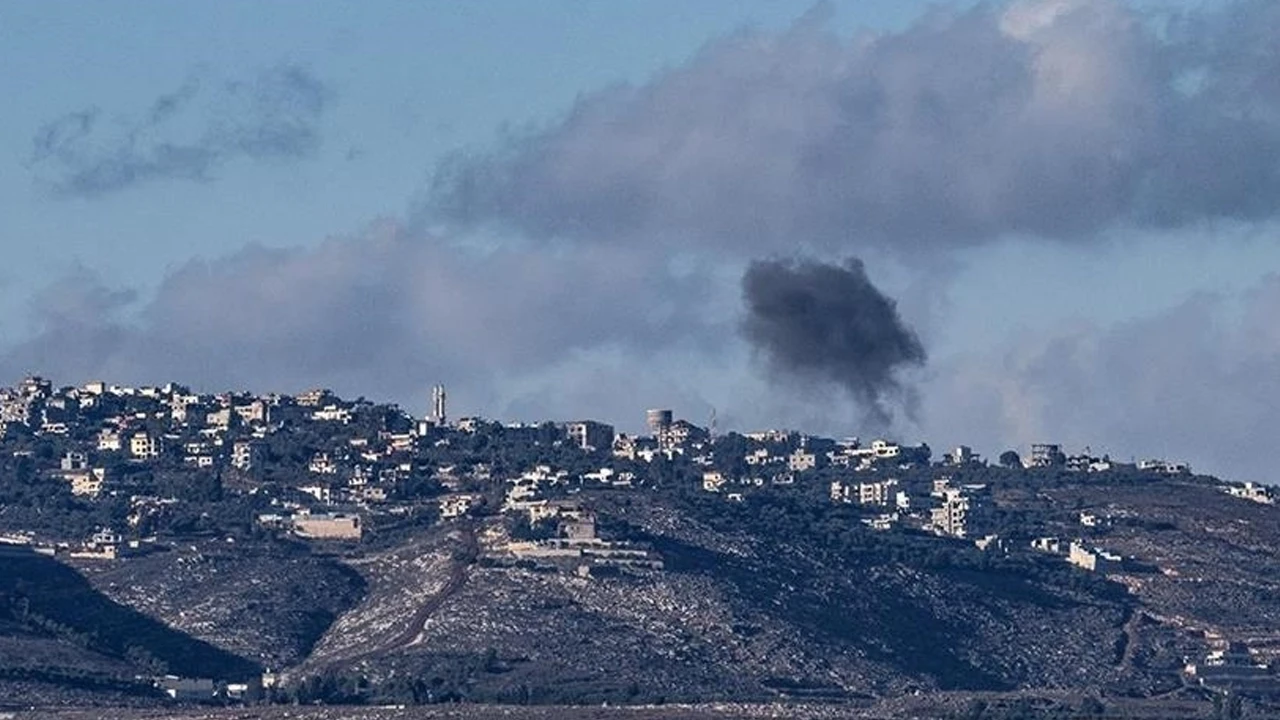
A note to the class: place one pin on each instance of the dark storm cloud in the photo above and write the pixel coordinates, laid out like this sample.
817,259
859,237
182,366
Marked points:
185,135
829,323
1054,118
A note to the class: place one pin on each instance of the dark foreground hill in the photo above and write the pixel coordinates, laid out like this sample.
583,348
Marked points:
57,630
778,597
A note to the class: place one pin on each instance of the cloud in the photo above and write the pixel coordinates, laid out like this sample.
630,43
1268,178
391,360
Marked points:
627,225
381,313
1196,382
187,134
1051,118
829,324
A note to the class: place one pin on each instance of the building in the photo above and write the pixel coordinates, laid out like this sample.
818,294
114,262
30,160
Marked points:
1164,467
328,526
961,512
1249,491
713,480
962,455
659,422
801,460
144,446
589,435
1093,559
877,493
109,440
322,464
73,461
314,398
1045,455
453,506
87,483
247,455
1232,666
951,515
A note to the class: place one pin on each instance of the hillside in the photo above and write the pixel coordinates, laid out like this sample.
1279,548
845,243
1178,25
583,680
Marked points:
363,557
61,637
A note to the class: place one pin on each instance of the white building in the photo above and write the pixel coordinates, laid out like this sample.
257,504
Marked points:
144,446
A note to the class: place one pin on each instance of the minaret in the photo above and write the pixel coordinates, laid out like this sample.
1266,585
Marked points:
438,415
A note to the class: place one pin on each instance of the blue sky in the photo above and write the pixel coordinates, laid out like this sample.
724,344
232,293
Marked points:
409,85
411,81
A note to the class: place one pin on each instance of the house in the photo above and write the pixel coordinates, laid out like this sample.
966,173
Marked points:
256,411
322,464
801,460
199,461
877,493
332,413
883,522
321,493
951,515
713,480
1051,545
109,440
1233,666
144,446
87,483
1249,491
1093,559
1164,467
373,494
962,455
453,506
73,461
624,446
313,398
247,455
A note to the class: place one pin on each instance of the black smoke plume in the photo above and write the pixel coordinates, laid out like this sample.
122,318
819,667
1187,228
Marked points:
828,323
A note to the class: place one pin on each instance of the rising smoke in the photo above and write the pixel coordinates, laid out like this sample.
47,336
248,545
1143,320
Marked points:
828,323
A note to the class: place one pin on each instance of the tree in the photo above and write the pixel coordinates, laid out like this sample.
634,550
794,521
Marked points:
1010,459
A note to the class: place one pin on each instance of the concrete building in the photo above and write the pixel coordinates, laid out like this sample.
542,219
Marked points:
962,455
658,421
1093,559
247,455
951,515
589,435
1045,455
328,527
144,446
1252,492
109,440
73,461
877,493
801,460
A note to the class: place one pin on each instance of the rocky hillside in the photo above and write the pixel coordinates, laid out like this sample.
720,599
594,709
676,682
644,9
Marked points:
269,602
779,596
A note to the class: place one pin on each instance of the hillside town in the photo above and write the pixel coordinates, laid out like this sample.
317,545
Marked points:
112,473
325,466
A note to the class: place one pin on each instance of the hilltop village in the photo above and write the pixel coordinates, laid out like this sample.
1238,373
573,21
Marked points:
105,475
323,468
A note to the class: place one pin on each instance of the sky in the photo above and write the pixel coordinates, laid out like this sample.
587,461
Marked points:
1063,211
